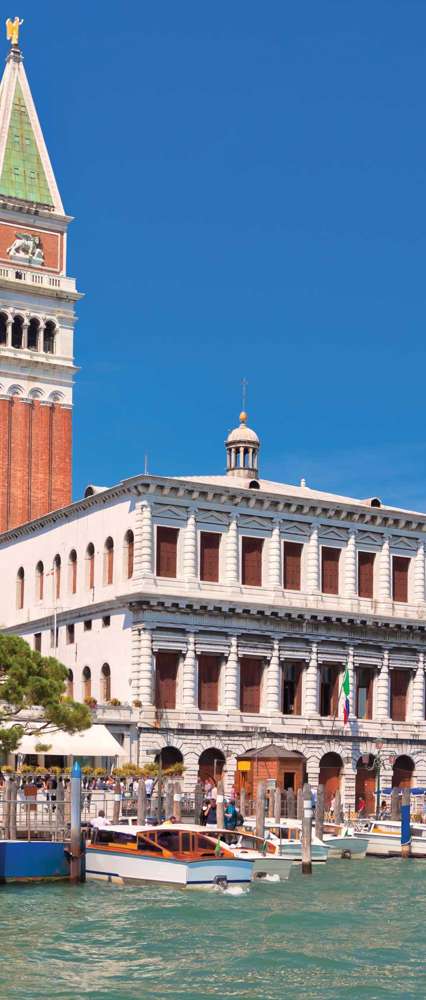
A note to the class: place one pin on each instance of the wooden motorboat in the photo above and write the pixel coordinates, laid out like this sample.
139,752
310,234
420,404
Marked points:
265,855
287,835
342,842
384,837
164,854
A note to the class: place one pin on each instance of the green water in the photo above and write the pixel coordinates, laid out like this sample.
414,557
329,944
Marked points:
355,929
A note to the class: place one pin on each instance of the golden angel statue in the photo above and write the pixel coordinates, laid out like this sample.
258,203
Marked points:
12,30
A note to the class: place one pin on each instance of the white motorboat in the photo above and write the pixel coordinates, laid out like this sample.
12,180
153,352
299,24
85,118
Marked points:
265,855
166,854
287,835
343,843
384,837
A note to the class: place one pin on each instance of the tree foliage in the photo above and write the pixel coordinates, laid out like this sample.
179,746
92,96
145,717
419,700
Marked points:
32,684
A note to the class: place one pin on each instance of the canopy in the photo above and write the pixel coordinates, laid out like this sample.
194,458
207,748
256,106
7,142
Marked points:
94,742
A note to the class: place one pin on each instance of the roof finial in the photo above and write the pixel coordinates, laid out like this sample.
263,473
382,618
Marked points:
12,30
243,414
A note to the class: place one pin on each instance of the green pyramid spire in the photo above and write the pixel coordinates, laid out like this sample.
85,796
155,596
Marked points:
23,174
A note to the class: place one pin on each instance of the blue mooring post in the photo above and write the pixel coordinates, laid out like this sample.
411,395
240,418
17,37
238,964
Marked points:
405,824
75,864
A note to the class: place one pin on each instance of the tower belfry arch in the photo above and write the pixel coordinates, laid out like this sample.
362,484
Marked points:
37,311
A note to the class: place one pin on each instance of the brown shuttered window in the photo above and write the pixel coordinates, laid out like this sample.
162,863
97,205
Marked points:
208,683
400,578
292,689
209,556
251,561
329,692
399,687
165,680
292,565
366,574
167,539
364,699
330,570
250,678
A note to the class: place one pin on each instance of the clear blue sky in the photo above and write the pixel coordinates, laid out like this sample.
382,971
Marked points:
248,183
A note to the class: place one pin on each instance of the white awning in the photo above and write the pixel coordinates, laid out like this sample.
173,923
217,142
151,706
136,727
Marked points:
94,742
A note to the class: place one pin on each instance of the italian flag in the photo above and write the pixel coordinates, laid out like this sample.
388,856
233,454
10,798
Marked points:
346,689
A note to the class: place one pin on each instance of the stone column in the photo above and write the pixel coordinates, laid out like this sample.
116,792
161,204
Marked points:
382,702
189,675
351,672
146,684
143,558
384,582
310,707
313,565
25,326
418,703
9,322
273,681
40,335
232,554
419,574
350,574
136,662
232,678
275,567
190,549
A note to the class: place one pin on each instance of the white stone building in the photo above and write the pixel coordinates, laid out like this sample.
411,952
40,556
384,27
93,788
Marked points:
221,612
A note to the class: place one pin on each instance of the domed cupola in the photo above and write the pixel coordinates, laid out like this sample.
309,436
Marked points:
242,451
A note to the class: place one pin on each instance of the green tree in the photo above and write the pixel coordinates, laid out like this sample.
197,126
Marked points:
34,684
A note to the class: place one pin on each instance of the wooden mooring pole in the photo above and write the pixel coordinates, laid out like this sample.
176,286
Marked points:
141,806
319,813
242,802
405,824
300,803
177,801
307,831
277,805
13,807
220,806
75,862
260,810
168,800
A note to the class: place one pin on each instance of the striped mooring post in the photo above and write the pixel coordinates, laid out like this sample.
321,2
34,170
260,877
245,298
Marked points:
307,831
405,824
75,846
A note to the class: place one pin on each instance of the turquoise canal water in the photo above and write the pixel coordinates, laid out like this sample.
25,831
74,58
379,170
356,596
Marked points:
354,929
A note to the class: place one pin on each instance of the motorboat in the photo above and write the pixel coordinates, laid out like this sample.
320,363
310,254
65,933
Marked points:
287,836
167,854
384,837
343,843
264,854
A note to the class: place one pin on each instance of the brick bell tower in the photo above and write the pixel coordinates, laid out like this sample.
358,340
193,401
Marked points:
37,317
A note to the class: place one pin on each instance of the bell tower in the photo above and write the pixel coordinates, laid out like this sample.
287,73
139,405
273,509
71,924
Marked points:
37,312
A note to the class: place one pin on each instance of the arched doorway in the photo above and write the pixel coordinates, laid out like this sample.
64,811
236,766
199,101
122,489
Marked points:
402,773
210,764
330,772
168,757
365,783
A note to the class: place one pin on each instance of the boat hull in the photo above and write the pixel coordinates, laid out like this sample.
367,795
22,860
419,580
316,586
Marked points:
390,847
346,847
293,851
112,865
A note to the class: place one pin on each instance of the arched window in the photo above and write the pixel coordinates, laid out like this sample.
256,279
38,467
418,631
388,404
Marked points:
33,330
70,684
129,546
72,572
20,586
108,561
90,566
106,682
17,331
3,328
39,581
87,683
49,337
57,576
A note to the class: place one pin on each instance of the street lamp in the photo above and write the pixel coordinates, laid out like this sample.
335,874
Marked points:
157,753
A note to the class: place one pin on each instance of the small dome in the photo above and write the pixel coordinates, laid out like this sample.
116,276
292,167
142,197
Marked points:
242,434
242,447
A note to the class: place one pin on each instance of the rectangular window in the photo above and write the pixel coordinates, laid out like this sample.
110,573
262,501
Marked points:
70,634
166,669
167,539
250,678
292,565
400,680
37,642
366,574
400,578
208,683
292,689
88,625
106,621
52,637
209,556
329,692
330,570
364,695
251,561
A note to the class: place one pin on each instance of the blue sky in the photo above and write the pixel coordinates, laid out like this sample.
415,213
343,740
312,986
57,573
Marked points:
248,183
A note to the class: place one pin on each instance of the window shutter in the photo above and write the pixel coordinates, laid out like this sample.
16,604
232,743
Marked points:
330,570
334,700
208,683
298,692
292,565
399,687
370,695
165,680
167,551
366,574
209,556
250,678
251,559
400,578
